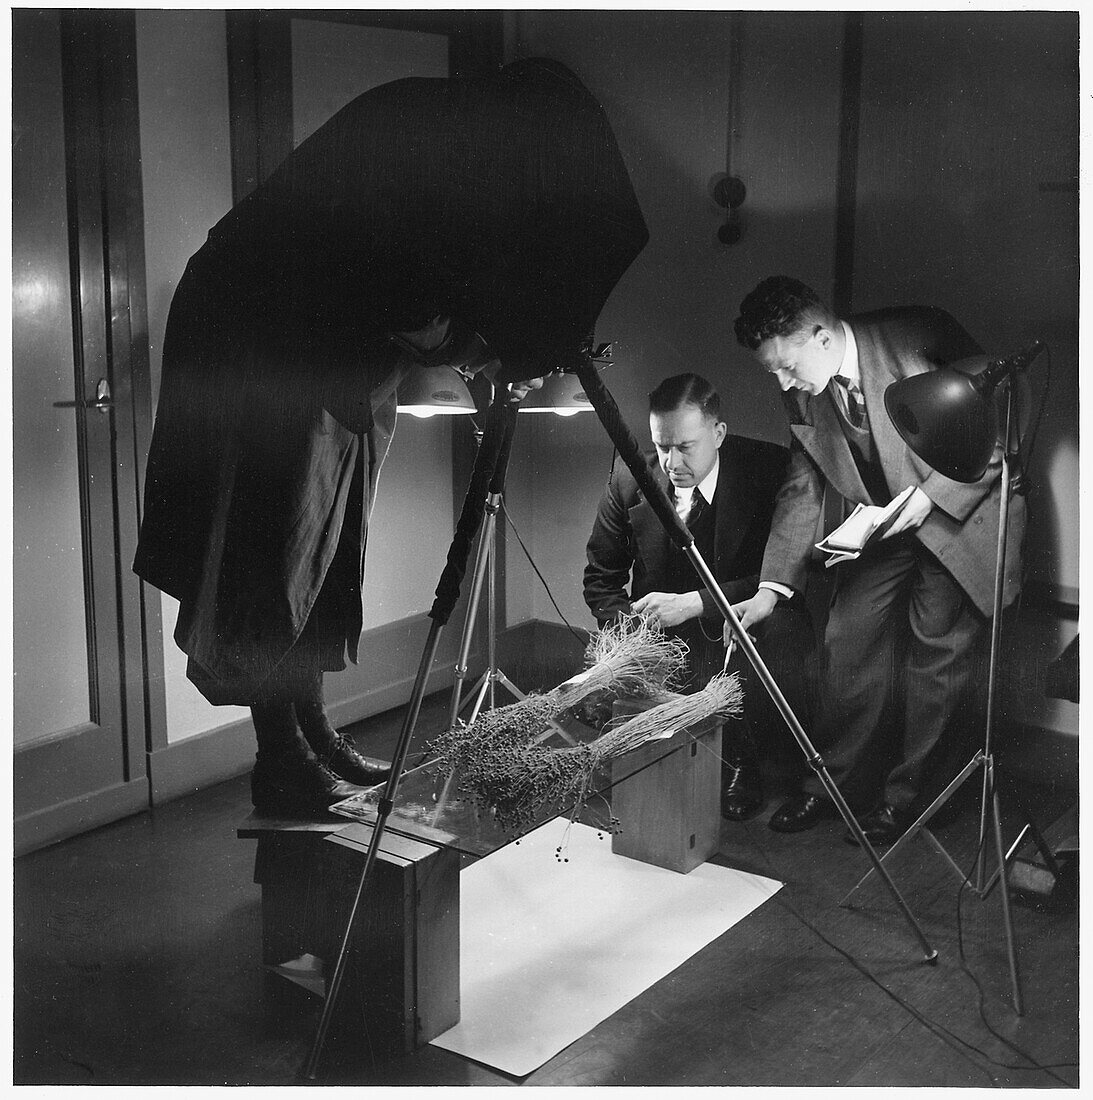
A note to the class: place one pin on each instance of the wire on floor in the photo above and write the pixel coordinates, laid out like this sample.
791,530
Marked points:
951,1038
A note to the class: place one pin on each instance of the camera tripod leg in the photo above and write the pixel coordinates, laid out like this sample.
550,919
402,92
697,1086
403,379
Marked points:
919,827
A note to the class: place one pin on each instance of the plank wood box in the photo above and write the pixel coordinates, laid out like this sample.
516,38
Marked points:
401,985
670,810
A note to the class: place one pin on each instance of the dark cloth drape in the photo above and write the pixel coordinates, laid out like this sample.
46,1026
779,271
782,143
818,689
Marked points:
500,201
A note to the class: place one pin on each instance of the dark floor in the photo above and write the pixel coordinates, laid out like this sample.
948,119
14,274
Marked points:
137,951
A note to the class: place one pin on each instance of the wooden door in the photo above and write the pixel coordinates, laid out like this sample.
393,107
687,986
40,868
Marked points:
78,712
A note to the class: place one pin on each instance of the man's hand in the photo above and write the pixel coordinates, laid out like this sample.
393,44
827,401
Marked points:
667,609
752,612
913,514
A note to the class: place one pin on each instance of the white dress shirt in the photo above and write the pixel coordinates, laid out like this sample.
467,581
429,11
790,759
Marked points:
707,487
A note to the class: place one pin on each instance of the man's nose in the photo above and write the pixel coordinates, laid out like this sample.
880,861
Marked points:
785,380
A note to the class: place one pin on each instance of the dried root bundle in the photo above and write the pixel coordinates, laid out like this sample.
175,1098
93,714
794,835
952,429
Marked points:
722,697
503,767
629,657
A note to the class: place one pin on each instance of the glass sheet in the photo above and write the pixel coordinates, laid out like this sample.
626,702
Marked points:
429,807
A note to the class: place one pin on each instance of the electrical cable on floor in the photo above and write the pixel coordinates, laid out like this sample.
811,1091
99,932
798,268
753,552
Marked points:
508,519
940,1030
1046,1067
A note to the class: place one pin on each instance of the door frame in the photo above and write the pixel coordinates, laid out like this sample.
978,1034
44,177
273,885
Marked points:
97,771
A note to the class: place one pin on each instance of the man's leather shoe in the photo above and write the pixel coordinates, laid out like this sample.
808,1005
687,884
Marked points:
294,785
742,792
801,811
883,827
343,760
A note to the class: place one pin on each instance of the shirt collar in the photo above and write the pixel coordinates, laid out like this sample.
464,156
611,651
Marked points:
849,367
707,487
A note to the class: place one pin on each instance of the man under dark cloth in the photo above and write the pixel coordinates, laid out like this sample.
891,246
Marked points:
927,587
461,221
723,486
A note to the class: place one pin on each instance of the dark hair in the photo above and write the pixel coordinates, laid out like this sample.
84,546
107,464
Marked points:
778,306
685,389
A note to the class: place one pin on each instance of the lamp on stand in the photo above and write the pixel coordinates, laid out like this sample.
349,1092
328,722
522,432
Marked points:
563,395
949,419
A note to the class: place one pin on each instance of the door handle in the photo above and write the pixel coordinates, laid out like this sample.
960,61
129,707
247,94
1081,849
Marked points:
102,401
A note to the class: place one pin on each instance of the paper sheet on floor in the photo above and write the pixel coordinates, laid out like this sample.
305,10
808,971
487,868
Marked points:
549,949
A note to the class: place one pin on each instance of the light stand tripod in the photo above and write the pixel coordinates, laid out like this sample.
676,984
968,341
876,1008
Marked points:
989,812
630,452
485,569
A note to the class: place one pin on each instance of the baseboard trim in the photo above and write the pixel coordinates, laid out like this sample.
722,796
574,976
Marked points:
223,753
46,826
538,655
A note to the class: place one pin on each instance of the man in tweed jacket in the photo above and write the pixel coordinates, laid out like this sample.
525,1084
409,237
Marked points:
917,602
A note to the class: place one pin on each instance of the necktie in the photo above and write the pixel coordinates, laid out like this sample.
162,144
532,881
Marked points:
696,509
853,400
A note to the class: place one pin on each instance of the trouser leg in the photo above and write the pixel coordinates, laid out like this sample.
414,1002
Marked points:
946,631
786,643
332,749
859,670
311,713
275,729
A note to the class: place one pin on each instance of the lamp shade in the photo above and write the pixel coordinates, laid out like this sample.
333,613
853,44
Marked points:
560,393
432,391
947,417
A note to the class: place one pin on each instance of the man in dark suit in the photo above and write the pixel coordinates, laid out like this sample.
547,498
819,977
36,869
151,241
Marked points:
724,488
921,597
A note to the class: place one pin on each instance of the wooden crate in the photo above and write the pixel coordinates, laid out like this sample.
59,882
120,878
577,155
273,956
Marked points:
670,810
401,985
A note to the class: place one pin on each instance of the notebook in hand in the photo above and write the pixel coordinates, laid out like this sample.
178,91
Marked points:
864,525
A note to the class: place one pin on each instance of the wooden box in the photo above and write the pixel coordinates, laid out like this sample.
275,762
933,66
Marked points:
401,985
670,810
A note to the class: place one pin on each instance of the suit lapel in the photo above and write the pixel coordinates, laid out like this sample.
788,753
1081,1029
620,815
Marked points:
879,369
734,508
652,543
826,444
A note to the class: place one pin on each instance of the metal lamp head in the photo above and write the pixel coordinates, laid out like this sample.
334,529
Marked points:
561,394
947,417
432,391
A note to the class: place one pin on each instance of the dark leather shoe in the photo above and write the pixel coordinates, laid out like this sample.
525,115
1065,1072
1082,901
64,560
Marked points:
883,827
343,760
742,793
294,785
801,811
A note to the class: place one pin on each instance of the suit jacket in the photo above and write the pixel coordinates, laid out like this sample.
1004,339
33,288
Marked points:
961,530
627,537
